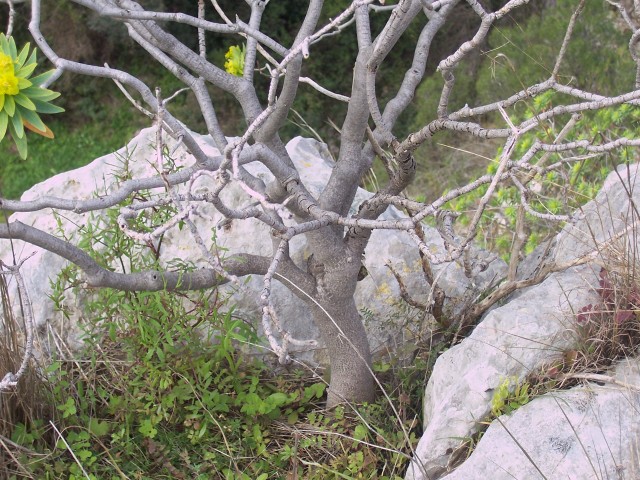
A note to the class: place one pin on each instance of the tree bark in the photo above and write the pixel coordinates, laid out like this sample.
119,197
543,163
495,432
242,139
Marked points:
336,315
347,346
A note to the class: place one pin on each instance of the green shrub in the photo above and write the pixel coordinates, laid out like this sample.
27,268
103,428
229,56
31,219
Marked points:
509,396
169,388
506,68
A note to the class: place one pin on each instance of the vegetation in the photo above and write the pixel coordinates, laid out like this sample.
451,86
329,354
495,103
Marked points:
171,385
90,106
170,391
204,411
506,67
509,396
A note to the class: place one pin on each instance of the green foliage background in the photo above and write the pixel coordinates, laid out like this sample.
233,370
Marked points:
520,50
98,120
518,54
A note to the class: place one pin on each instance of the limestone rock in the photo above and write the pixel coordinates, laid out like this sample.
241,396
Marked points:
377,295
510,342
534,327
589,432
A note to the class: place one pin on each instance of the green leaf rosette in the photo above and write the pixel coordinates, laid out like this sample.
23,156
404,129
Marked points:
22,97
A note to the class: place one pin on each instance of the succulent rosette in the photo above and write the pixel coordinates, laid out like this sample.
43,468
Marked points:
22,97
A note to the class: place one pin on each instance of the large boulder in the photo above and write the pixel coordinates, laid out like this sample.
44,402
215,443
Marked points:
532,329
589,432
377,295
510,342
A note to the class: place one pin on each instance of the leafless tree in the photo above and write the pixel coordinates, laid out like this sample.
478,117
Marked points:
336,237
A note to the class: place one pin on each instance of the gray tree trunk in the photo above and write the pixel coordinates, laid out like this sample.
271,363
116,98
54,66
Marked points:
341,327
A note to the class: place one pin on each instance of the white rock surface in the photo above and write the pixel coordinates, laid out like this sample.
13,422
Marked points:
378,293
533,328
510,342
590,432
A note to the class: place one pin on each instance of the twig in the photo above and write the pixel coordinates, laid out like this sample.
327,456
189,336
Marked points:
84,472
595,377
11,380
11,19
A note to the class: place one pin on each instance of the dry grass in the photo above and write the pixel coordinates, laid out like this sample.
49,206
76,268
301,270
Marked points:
607,330
27,403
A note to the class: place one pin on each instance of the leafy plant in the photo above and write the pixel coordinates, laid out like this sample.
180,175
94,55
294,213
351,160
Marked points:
23,97
507,67
557,192
607,330
509,396
167,390
620,308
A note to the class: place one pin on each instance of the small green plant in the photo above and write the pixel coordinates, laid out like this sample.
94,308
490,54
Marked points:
509,396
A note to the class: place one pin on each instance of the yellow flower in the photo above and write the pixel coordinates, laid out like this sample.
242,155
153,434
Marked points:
8,80
235,60
6,62
22,95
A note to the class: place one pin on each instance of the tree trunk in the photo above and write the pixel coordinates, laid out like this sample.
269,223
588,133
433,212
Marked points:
343,332
348,349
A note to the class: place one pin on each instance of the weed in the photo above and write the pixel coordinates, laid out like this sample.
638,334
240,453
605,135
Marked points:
166,387
26,408
606,331
509,396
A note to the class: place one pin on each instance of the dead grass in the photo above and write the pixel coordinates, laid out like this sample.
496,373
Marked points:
607,330
27,403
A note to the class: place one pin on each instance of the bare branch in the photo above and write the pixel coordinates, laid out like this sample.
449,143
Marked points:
11,17
565,42
10,380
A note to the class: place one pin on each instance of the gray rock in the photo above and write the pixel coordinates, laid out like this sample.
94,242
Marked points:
510,342
534,327
588,432
377,295
606,219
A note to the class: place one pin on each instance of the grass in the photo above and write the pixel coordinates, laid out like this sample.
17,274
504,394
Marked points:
98,120
73,147
156,400
168,388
